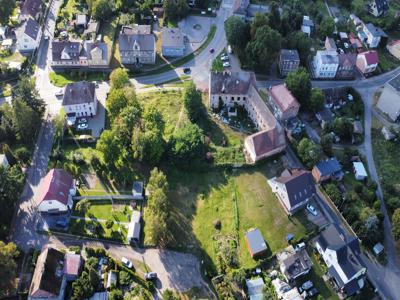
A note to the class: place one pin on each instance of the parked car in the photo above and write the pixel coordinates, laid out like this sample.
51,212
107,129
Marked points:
307,285
346,45
46,37
82,121
212,50
127,263
224,57
226,64
59,93
186,70
82,126
312,292
150,276
312,209
299,246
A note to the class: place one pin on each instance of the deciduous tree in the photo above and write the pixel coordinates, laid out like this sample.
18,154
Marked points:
8,266
6,9
299,84
192,102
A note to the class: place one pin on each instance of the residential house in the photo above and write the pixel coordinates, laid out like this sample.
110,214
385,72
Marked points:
367,62
136,29
240,8
239,89
387,134
341,255
133,235
347,65
355,42
138,190
255,288
284,291
80,99
56,192
172,43
284,104
327,169
330,44
99,296
72,266
394,48
389,101
378,7
371,35
335,97
307,26
289,61
294,188
4,161
137,49
92,29
48,280
343,36
31,9
294,264
256,243
77,54
356,20
28,36
325,64
324,116
359,171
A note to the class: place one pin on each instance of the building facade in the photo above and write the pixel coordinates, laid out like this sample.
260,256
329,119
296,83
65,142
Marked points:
137,49
284,104
289,61
367,62
28,36
80,99
325,64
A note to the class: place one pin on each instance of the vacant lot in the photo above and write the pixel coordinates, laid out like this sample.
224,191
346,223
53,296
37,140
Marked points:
199,199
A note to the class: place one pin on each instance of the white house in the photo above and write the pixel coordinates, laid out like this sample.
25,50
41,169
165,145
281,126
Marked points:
80,99
371,35
4,161
325,64
307,25
133,235
340,254
359,171
57,190
28,36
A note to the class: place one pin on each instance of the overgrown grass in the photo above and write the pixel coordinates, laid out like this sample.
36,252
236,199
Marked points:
105,210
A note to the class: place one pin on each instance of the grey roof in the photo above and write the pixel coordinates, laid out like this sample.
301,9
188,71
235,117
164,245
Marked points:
329,166
297,264
172,38
78,93
255,241
347,59
307,22
137,187
389,101
31,28
375,31
146,42
81,19
92,27
289,54
347,249
31,7
299,185
72,49
136,29
329,57
89,46
236,83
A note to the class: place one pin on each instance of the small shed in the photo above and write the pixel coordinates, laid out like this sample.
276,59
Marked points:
255,243
359,171
111,279
81,20
134,228
387,133
255,288
343,36
378,249
6,44
137,190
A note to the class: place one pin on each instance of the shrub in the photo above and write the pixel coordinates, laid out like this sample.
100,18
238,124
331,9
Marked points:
23,154
109,224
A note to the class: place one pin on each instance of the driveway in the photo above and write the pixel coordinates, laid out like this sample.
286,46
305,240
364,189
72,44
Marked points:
96,124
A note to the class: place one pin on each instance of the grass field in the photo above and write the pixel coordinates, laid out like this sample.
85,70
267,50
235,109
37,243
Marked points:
104,210
62,78
198,199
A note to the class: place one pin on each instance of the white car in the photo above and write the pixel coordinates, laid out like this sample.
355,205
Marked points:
312,209
150,275
60,93
226,64
346,45
224,57
127,263
82,126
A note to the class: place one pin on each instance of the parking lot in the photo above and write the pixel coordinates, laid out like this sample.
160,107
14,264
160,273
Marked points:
195,28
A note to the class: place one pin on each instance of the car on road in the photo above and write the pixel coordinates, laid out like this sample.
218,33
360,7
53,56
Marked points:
127,263
307,285
212,50
150,276
312,292
59,93
82,126
226,64
186,70
46,37
312,209
82,121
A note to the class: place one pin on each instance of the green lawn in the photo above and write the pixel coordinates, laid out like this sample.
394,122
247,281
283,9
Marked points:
104,210
198,199
62,78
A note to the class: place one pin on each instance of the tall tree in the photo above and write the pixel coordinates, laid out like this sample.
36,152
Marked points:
109,147
170,10
119,78
299,84
27,92
309,152
326,28
237,32
6,9
8,266
102,9
317,99
396,224
274,16
188,143
343,127
258,21
192,102
26,120
116,101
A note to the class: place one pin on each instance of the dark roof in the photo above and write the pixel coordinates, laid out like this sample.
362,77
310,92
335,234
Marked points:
299,185
375,31
89,46
382,5
79,92
236,83
31,7
289,54
255,241
347,59
346,248
328,166
297,264
66,50
325,115
146,42
31,28
48,275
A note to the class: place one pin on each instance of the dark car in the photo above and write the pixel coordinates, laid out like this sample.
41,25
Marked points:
62,223
186,70
312,292
212,50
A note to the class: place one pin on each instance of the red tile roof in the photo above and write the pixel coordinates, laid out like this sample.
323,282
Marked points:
371,57
56,186
283,97
267,141
72,264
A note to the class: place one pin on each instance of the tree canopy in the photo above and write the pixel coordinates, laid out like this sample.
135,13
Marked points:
188,143
192,102
119,78
6,9
8,266
309,152
237,32
299,83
